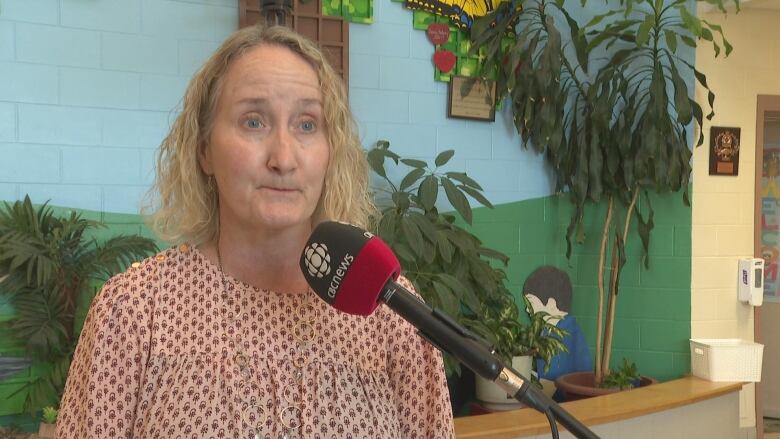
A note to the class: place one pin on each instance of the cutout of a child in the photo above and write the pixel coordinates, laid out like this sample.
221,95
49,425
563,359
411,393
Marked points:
549,289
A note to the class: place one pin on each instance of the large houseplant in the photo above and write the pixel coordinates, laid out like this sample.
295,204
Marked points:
609,106
47,264
448,265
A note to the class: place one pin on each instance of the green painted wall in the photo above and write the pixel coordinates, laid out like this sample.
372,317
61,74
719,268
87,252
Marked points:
654,305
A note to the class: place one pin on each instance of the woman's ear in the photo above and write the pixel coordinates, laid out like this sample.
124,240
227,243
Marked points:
204,159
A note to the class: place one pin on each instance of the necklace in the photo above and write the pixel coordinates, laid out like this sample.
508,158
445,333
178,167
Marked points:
257,418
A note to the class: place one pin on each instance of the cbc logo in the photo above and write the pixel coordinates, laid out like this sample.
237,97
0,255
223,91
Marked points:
317,260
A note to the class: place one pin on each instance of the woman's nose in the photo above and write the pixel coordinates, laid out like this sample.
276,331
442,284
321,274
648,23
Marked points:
281,156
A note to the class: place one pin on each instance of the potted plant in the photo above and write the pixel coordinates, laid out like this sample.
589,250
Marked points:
610,133
47,428
449,266
47,264
519,343
580,385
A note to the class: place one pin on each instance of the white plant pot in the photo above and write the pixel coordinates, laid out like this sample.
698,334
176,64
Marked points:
489,392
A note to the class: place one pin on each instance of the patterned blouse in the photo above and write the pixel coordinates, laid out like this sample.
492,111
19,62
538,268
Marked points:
171,348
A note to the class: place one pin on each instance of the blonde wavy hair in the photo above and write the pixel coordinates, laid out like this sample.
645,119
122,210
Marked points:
182,206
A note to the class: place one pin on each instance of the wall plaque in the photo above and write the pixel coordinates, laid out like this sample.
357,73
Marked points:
472,98
724,150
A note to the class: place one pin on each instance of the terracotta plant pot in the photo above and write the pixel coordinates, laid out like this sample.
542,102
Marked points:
46,430
580,385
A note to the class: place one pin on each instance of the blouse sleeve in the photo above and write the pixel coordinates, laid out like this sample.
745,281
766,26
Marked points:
419,383
103,385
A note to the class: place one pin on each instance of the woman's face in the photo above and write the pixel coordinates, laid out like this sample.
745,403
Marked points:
268,148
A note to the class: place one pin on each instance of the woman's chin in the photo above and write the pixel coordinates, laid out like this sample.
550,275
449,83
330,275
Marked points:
282,222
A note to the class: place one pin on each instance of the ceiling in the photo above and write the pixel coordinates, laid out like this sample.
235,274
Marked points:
746,4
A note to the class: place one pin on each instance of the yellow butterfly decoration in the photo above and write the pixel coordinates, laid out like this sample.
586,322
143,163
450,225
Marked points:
461,12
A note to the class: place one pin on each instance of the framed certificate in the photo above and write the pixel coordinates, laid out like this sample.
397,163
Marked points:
472,98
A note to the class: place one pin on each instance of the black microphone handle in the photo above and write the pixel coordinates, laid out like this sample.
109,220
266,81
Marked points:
442,331
449,336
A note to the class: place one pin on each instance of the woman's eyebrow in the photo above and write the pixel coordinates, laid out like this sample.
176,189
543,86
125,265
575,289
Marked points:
258,101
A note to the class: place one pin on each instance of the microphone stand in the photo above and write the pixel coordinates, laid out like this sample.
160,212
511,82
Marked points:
475,353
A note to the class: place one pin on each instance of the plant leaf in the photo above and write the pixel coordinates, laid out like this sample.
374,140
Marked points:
444,157
476,195
411,178
463,178
643,34
671,40
457,199
412,235
428,192
414,163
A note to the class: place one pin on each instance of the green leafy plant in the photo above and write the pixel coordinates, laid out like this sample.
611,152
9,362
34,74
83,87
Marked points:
447,264
608,105
47,263
501,325
49,415
624,377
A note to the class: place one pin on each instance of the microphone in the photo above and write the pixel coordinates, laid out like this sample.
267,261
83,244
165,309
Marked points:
354,271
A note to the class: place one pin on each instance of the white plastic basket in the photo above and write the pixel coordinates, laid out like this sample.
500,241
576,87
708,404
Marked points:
726,359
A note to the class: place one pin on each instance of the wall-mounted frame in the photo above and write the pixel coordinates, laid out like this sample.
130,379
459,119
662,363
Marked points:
471,98
724,150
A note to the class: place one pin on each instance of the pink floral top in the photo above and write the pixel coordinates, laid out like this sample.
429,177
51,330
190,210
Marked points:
171,349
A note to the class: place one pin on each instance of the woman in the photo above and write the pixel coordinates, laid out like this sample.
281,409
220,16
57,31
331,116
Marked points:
221,336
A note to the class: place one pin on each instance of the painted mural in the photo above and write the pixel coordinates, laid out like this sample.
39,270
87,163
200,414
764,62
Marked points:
770,221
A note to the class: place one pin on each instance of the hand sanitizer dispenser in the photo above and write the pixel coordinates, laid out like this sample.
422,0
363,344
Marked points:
751,281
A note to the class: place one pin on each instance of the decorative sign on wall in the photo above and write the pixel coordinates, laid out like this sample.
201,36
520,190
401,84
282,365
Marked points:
461,12
724,150
444,60
471,98
438,33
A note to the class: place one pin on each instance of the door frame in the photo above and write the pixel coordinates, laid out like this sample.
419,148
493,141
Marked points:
764,103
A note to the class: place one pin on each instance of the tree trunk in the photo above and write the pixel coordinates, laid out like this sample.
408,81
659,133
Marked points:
598,373
613,288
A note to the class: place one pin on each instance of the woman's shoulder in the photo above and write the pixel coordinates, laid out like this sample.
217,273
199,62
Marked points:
140,281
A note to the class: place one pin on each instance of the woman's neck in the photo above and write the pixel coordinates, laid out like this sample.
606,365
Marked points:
264,260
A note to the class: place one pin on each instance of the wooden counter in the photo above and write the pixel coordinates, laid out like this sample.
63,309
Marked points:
594,411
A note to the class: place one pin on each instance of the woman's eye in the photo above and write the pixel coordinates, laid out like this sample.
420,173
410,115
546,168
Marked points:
308,126
253,123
